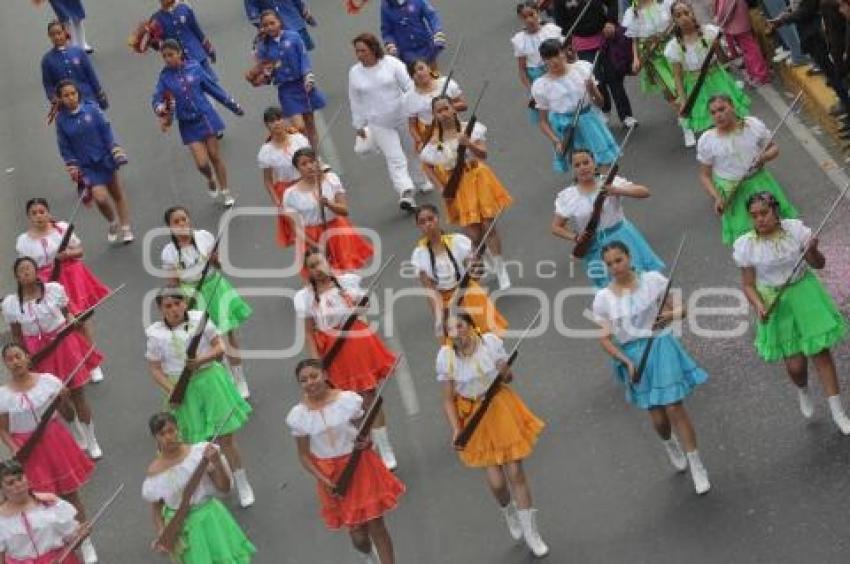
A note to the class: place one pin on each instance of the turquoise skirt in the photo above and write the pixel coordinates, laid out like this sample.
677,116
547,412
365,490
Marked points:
644,258
533,73
591,134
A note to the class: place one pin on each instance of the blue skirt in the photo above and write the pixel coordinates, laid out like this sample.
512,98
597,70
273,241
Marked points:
592,134
295,101
198,130
100,173
644,258
67,10
533,73
669,377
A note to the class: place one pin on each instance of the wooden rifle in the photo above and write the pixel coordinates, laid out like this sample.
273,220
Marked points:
193,299
66,329
66,240
649,50
570,133
341,486
26,449
467,431
645,355
582,247
457,172
78,538
171,532
333,351
452,67
790,280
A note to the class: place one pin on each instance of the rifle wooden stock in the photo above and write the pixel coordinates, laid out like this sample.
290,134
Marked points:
570,133
63,245
344,480
465,434
703,74
582,247
178,393
78,538
453,182
190,305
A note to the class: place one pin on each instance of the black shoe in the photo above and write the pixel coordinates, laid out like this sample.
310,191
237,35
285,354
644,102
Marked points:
219,135
814,71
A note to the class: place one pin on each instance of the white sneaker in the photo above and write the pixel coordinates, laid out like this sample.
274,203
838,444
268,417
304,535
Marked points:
528,521
674,452
127,235
227,199
96,375
839,417
780,55
370,558
509,512
406,201
690,138
501,272
95,452
239,380
698,473
385,449
425,187
112,232
88,551
243,488
806,407
630,122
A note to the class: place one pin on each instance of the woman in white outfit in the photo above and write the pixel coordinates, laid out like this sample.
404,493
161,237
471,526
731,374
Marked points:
376,87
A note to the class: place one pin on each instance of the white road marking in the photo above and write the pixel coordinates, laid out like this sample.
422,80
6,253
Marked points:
406,387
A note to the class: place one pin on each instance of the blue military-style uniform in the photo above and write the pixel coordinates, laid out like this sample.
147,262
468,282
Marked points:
412,25
68,10
86,141
291,12
291,68
72,63
180,23
187,88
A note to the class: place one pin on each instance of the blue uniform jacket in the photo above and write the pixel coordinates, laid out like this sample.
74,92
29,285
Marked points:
290,11
180,24
189,85
69,63
85,137
289,54
411,27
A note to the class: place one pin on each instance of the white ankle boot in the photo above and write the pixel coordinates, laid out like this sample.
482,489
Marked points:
239,380
528,522
698,473
687,134
501,272
94,449
88,552
385,449
96,375
838,416
509,512
806,407
674,452
79,433
243,488
370,558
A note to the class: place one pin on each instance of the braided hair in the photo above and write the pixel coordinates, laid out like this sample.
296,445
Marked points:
174,293
431,256
766,198
678,31
20,290
313,252
167,217
435,124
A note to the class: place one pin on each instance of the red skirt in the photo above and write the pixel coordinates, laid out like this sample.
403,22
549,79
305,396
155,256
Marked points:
56,464
285,231
373,491
361,363
346,249
48,558
84,289
65,357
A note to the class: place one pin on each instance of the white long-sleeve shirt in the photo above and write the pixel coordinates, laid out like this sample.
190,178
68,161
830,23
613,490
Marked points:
376,93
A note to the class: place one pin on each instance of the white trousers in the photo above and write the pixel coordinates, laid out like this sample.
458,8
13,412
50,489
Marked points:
398,149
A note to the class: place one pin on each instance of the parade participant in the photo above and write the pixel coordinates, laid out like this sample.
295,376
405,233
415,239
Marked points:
210,533
186,256
480,196
67,61
805,323
56,464
686,53
626,310
734,17
326,436
467,366
92,157
35,527
71,12
574,208
294,13
526,44
211,394
427,83
363,361
317,205
441,260
35,314
181,93
283,52
411,29
558,94
376,87
176,21
279,174
732,156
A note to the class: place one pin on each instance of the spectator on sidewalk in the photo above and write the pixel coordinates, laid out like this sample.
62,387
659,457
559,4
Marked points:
788,34
733,16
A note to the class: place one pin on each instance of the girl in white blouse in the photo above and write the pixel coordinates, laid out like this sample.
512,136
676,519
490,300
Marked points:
805,322
628,312
646,22
427,84
526,45
376,87
325,431
36,313
209,534
467,366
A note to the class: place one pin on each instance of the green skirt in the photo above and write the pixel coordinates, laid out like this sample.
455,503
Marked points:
736,220
210,535
660,69
805,321
227,308
717,81
210,396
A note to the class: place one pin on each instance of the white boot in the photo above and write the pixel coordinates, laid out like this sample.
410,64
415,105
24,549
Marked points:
95,451
501,272
687,133
370,558
385,449
674,452
79,433
838,416
509,512
87,549
806,407
528,522
243,488
79,34
698,473
239,380
96,375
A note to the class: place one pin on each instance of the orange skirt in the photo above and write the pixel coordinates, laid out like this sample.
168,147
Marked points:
507,432
484,314
480,195
362,362
346,249
373,491
285,230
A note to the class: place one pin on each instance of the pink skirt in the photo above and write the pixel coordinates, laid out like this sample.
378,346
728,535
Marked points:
65,358
48,558
56,464
84,289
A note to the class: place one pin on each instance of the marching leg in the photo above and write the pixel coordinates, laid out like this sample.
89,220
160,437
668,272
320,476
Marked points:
674,452
528,520
93,447
385,449
240,477
687,133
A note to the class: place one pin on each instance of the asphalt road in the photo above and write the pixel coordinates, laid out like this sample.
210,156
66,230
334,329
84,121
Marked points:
601,481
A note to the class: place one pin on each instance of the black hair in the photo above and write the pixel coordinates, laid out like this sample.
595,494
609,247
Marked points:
766,198
435,123
9,346
171,45
550,49
270,12
431,256
678,31
372,42
158,421
39,283
466,317
272,113
53,23
720,96
411,67
11,467
167,218
308,363
36,202
63,83
527,4
587,152
312,252
615,245
303,152
425,207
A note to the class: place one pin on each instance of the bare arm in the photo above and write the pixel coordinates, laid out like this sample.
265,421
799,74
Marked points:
217,472
5,436
160,378
748,282
680,85
303,444
770,153
268,182
478,147
814,256
434,299
613,351
708,184
413,128
547,129
17,334
630,190
561,228
158,520
339,205
309,331
432,176
450,408
522,65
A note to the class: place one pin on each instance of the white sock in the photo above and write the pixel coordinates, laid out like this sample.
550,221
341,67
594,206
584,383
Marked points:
836,407
694,460
79,33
